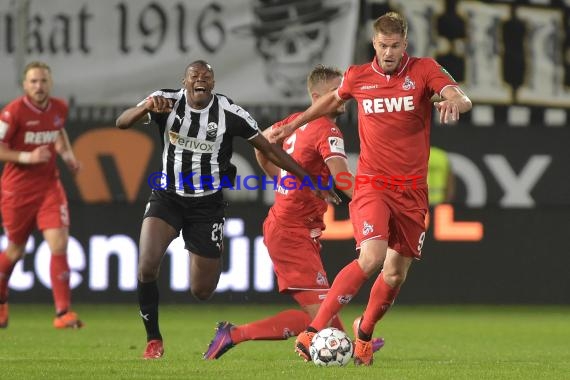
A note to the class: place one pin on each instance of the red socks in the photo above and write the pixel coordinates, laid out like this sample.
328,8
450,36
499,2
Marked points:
59,272
280,326
382,296
346,284
6,268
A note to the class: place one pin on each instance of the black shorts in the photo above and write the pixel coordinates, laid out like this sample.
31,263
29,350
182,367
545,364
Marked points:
201,219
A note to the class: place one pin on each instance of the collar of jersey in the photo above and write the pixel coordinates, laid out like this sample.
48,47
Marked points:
205,109
35,108
403,63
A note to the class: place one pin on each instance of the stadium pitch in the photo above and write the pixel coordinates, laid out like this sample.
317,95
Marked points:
422,342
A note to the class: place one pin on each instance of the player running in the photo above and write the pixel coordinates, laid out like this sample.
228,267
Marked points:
393,94
294,225
31,136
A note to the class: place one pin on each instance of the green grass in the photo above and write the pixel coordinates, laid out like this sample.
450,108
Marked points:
455,342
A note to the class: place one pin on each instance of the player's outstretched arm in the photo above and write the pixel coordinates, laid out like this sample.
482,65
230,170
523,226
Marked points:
324,105
138,115
455,102
278,156
268,167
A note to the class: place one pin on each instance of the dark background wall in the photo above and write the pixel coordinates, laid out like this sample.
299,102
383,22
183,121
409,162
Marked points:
513,186
522,256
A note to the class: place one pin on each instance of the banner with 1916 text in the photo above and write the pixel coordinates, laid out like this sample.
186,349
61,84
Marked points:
118,51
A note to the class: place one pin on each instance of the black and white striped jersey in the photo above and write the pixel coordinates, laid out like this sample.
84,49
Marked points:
197,144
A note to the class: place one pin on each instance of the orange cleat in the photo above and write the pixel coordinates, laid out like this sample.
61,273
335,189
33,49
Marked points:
364,350
68,320
302,344
363,354
377,343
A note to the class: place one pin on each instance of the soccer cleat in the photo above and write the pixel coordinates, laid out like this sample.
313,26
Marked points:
221,343
302,344
377,343
363,354
3,315
154,349
68,320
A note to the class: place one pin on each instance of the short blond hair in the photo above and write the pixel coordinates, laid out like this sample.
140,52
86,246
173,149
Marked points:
35,65
391,23
321,74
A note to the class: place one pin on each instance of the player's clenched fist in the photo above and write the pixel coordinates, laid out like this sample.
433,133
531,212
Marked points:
40,154
277,135
158,104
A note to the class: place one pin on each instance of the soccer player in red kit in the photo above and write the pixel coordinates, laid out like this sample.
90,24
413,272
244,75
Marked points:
394,94
295,223
31,136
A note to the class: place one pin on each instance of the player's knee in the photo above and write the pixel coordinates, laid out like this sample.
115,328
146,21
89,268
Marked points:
394,279
16,254
202,294
147,273
370,264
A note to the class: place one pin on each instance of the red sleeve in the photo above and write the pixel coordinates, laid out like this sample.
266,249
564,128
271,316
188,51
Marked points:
344,91
289,118
8,124
437,76
330,141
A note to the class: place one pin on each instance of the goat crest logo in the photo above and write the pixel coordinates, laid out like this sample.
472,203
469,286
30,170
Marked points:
408,84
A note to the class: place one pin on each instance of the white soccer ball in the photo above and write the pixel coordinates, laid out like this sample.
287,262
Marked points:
331,347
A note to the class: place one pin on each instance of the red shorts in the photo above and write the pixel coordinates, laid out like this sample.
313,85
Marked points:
21,213
296,257
395,216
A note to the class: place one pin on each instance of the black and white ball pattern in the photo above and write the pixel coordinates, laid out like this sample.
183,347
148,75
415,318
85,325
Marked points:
331,347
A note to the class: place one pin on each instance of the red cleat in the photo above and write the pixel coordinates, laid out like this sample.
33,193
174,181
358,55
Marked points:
154,349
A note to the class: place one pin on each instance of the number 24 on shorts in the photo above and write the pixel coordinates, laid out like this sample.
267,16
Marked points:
217,232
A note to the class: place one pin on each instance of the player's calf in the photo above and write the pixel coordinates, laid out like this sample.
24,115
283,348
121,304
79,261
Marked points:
3,315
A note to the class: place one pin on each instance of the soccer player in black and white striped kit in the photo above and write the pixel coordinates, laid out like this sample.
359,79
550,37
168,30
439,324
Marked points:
197,127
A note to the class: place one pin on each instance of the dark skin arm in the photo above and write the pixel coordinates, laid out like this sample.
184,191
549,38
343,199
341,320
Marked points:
268,167
324,105
277,155
137,115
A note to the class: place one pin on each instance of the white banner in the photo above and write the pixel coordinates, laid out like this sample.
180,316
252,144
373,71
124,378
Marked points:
116,52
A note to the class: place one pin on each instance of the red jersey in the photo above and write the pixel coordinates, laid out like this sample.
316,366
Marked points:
311,146
24,127
394,114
